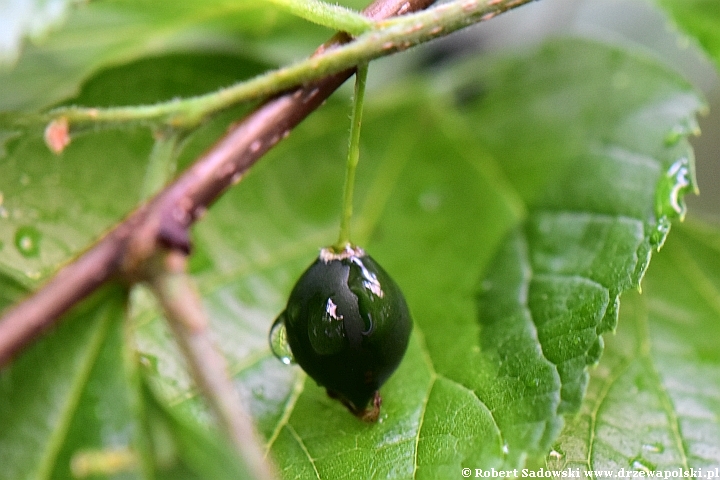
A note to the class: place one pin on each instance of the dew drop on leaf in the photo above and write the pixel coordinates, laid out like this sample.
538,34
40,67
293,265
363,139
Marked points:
279,342
656,447
640,464
674,136
673,185
33,274
430,201
556,458
658,236
27,241
149,362
258,393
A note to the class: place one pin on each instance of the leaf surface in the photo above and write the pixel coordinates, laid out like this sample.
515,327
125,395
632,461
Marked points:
72,408
699,19
513,199
652,403
599,198
512,221
64,393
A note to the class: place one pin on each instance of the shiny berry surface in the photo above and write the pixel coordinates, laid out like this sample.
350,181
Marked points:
348,325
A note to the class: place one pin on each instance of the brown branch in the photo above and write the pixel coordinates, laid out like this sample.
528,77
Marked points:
183,309
165,220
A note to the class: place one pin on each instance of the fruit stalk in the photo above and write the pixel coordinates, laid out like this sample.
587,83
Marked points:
353,157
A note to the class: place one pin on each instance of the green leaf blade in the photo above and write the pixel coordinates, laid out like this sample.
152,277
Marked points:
53,206
548,252
701,20
512,224
651,403
596,210
46,391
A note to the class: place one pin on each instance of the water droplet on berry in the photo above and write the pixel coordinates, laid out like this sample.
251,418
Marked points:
279,343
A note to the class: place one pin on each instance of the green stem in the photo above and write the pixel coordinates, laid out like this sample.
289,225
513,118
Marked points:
332,16
162,163
353,156
386,37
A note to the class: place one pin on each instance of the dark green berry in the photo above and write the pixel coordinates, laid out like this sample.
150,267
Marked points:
347,325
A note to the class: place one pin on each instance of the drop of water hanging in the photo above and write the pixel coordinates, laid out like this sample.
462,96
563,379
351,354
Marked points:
279,343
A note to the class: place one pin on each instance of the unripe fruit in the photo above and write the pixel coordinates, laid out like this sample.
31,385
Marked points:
348,326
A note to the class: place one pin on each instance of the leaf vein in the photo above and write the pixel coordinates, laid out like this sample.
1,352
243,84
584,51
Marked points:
587,213
63,424
433,378
669,409
303,448
382,186
664,396
287,411
289,252
599,401
475,395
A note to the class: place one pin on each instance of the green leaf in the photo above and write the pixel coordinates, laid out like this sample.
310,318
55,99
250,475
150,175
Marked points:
700,19
599,195
652,403
52,205
513,202
67,393
183,449
513,205
71,408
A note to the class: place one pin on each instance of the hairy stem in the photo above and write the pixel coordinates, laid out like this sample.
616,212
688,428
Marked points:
387,37
333,16
353,157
